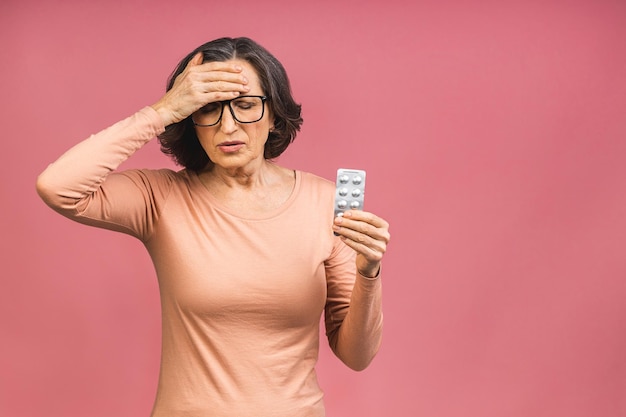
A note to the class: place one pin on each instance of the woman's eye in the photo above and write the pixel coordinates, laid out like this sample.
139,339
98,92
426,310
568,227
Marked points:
244,105
210,108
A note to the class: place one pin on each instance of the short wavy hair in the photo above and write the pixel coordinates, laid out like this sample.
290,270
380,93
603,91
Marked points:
179,140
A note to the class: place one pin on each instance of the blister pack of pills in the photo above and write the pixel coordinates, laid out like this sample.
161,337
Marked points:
349,190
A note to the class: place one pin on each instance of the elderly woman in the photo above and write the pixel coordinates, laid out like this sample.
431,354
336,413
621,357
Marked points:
247,253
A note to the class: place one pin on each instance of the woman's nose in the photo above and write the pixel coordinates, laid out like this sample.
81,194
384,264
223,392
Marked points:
228,123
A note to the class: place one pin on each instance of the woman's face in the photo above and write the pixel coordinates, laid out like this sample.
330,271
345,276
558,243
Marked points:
232,145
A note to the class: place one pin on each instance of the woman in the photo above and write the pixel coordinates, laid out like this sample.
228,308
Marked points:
244,249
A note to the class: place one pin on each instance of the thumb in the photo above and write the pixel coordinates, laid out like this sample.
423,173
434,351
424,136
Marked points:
196,60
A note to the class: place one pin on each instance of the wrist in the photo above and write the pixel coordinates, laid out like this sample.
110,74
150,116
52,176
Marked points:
370,274
164,114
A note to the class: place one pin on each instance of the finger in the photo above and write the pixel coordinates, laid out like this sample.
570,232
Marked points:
367,217
355,226
218,78
221,66
213,71
203,82
370,253
196,60
217,71
225,86
369,225
373,243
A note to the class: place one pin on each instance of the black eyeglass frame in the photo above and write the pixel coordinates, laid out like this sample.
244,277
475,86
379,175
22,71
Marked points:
232,112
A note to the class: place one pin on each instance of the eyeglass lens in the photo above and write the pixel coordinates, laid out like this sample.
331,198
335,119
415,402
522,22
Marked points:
246,109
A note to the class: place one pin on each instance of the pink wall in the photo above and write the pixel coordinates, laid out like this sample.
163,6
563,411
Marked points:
494,136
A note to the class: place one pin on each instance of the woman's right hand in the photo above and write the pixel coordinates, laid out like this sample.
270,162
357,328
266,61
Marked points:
198,85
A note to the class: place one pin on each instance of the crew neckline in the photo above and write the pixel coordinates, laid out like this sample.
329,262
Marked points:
204,191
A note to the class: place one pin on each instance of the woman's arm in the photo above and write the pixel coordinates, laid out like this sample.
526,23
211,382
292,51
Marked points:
74,185
354,317
353,314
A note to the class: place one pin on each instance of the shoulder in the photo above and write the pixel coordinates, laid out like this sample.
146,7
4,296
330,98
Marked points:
316,191
315,182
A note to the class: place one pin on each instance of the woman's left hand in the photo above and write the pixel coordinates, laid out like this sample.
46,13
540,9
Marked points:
368,235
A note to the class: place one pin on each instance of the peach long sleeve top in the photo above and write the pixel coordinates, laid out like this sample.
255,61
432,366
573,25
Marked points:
241,298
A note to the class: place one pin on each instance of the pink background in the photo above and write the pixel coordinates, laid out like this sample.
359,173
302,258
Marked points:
494,136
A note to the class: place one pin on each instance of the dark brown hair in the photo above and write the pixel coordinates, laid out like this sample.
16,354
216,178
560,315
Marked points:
180,140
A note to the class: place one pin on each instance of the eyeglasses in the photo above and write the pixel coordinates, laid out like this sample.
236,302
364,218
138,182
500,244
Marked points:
244,109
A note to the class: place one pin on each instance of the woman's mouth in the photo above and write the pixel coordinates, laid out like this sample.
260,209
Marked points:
231,146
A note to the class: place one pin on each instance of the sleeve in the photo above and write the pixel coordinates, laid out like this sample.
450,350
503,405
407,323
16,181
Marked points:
353,313
82,186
